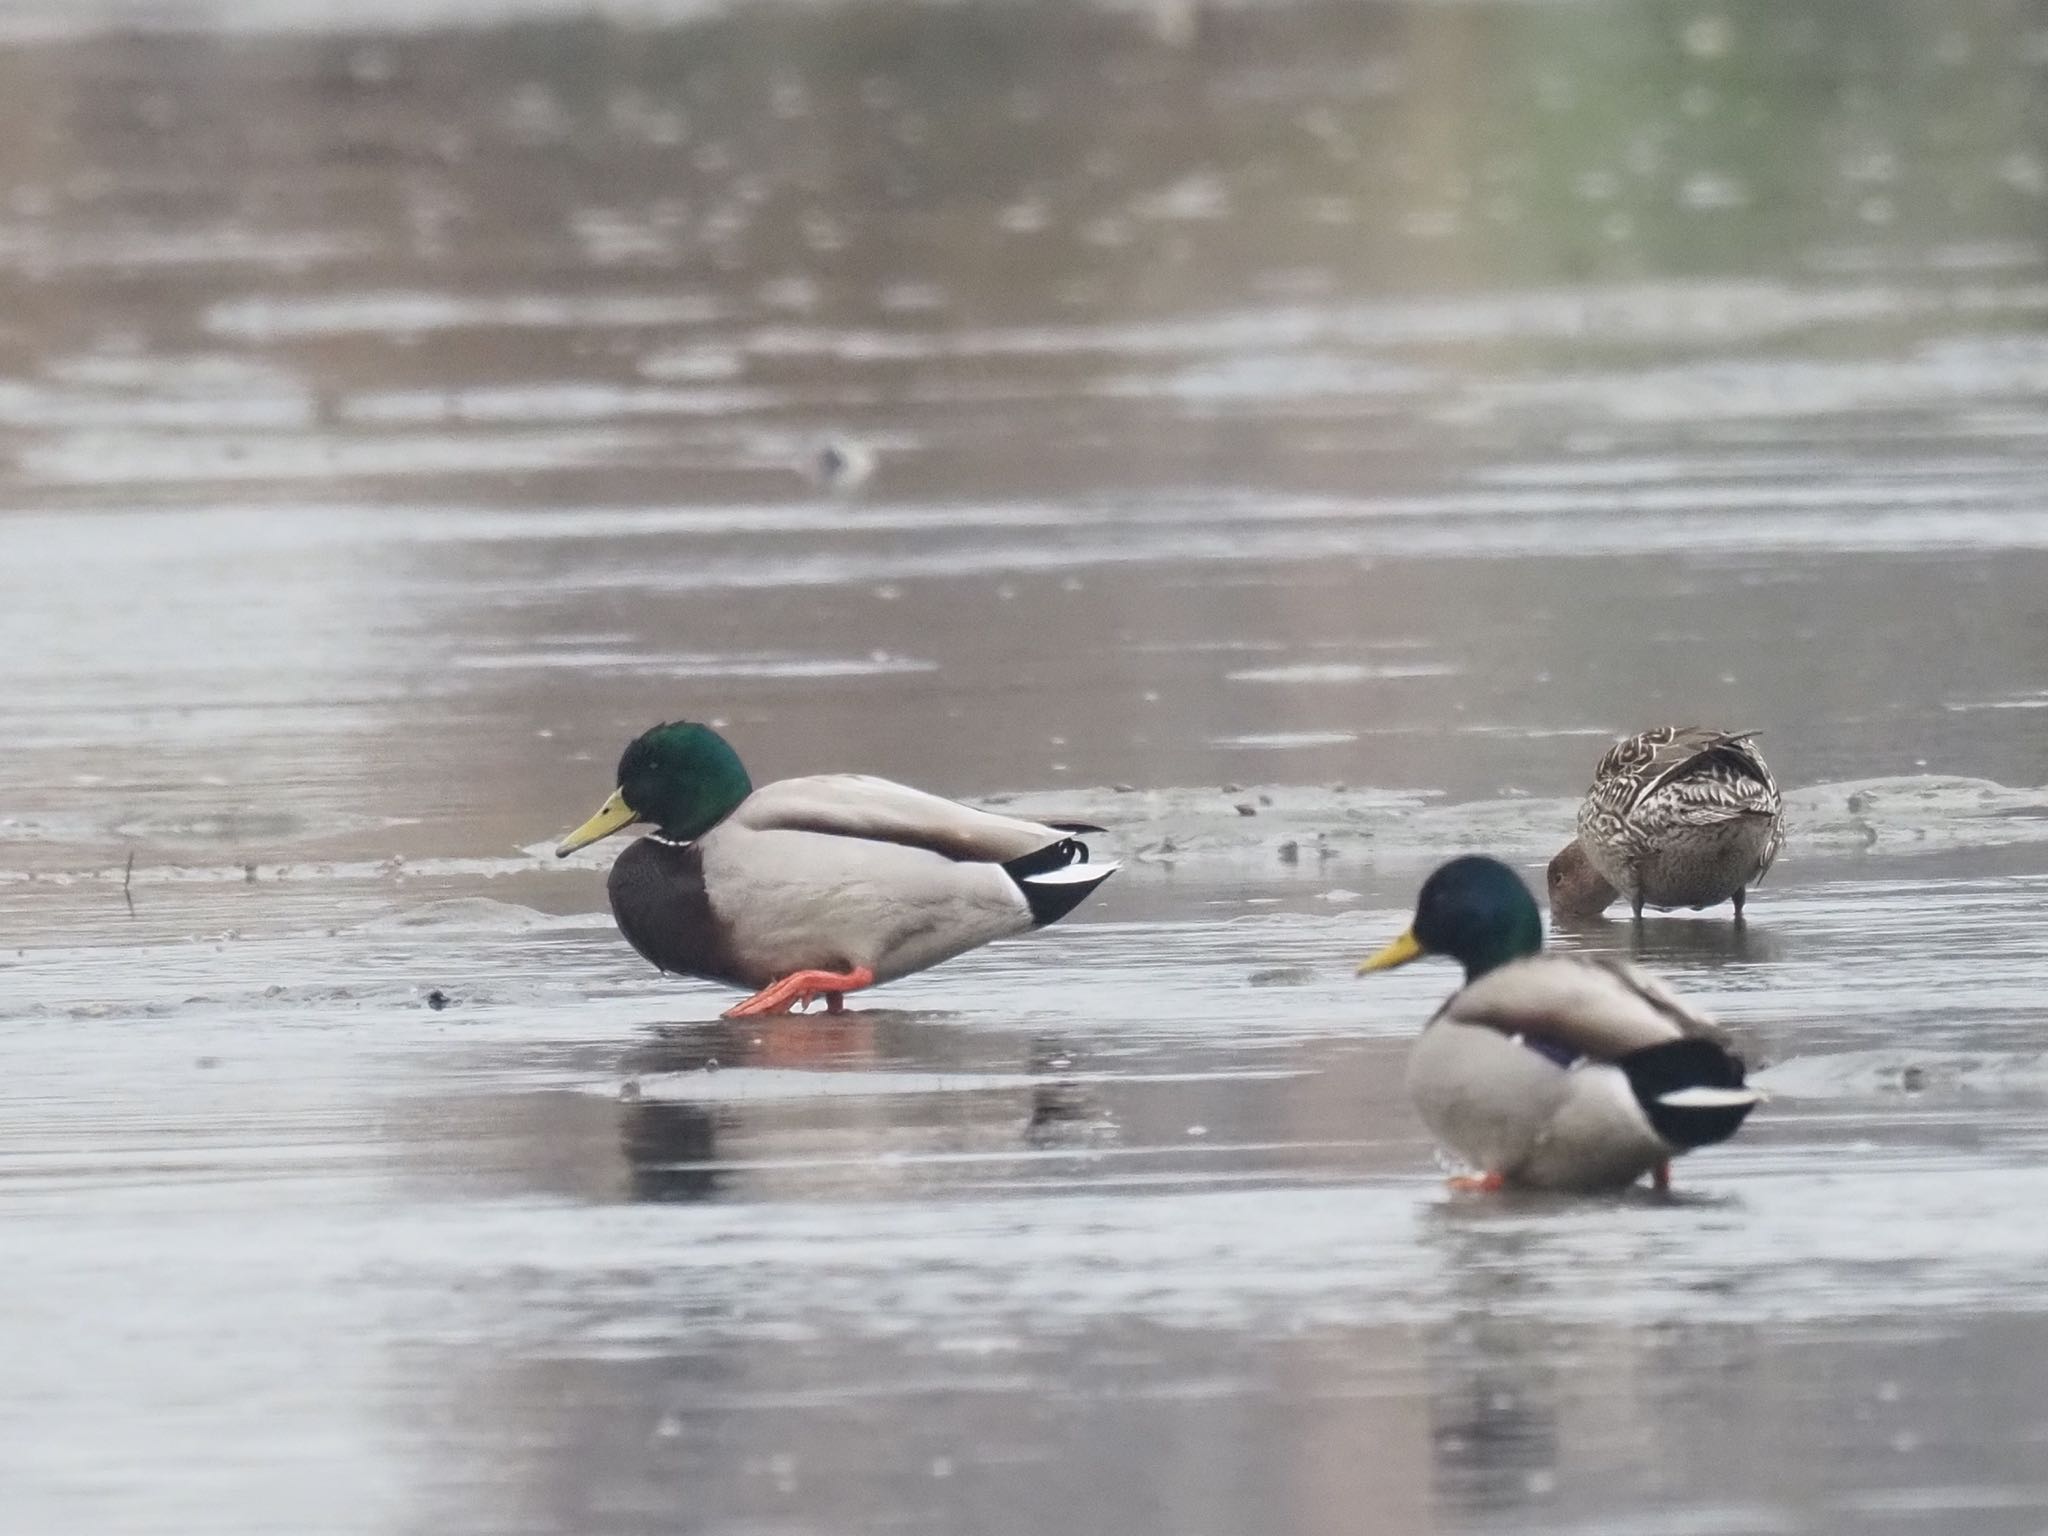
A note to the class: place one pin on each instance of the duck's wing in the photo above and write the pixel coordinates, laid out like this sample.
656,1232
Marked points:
1633,758
1682,775
1708,776
1598,1008
875,810
1771,850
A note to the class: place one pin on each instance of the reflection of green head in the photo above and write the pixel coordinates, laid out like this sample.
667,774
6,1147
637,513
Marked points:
684,778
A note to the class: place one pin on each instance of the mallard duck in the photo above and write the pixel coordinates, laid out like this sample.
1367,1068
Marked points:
1681,817
820,886
1576,889
1555,1071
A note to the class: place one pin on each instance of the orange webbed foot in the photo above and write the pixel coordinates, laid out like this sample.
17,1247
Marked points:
798,988
1479,1183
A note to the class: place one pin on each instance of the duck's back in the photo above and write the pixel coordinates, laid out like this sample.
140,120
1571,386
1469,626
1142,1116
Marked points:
1702,770
1583,1005
854,805
1515,1073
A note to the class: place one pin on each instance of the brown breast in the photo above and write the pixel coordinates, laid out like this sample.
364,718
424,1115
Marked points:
658,897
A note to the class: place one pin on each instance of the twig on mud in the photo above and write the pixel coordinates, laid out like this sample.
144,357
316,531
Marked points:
127,880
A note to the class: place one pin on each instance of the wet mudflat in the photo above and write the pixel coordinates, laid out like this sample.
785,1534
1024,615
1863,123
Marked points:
1300,438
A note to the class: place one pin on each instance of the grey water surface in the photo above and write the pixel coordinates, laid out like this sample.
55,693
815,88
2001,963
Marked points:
1298,436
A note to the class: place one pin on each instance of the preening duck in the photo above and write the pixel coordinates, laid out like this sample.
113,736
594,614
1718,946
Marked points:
1555,1071
1678,816
820,886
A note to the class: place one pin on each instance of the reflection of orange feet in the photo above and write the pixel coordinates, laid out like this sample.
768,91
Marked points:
813,1042
799,987
1479,1183
1660,1178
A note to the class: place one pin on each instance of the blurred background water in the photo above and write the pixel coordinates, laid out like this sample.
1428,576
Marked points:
1296,435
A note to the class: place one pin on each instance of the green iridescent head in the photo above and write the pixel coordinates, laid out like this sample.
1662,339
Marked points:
682,777
1475,910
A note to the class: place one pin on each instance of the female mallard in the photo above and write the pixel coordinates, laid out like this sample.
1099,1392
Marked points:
1555,1071
819,886
1576,889
1678,817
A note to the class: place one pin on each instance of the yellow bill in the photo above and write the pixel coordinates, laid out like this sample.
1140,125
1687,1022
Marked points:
611,816
1400,952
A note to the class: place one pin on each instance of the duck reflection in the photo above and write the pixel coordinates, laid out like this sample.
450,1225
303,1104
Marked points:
1065,1112
1677,941
1493,1388
794,1041
670,1137
1493,1430
670,1147
678,1048
670,1150
1668,940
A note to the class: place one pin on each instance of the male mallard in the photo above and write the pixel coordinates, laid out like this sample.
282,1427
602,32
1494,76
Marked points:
1677,817
819,886
1555,1071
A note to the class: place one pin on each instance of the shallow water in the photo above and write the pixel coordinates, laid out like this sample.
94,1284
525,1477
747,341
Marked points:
1297,437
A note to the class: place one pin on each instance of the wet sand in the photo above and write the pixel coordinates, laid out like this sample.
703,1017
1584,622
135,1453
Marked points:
1352,415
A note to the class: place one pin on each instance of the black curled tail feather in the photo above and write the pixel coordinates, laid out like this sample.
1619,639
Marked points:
1657,1073
1052,899
1039,861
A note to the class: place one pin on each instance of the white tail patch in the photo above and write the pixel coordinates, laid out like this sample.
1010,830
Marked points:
1072,874
1709,1098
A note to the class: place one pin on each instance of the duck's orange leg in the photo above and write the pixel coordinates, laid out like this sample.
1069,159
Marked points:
1479,1183
1660,1177
799,987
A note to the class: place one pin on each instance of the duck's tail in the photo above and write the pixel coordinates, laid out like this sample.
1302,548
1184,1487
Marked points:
1056,879
1691,1090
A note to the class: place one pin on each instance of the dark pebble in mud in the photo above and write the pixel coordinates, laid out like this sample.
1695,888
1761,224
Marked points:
1281,976
437,999
1913,1079
1290,852
1246,808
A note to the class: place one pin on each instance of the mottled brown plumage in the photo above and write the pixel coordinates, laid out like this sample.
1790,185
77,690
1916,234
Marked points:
1681,816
